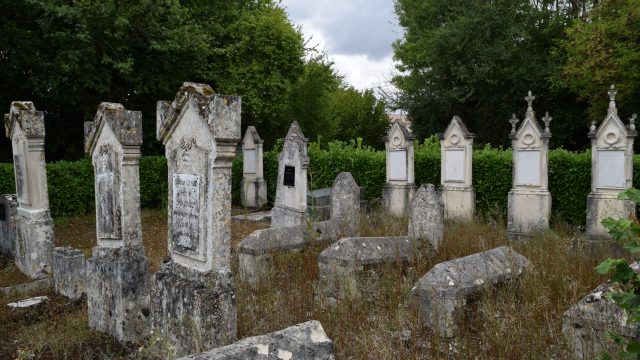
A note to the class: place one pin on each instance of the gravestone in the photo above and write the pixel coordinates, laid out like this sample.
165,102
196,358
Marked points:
529,201
118,270
291,191
426,216
400,186
69,272
34,237
254,187
611,170
193,293
456,154
345,202
8,210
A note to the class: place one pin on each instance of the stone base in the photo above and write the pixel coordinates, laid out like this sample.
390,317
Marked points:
69,272
396,198
253,194
459,202
528,213
34,242
194,310
118,293
8,210
281,216
602,206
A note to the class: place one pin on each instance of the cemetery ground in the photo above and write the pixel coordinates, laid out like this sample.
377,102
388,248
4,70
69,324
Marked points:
518,320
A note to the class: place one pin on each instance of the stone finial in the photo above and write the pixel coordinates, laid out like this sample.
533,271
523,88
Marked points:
547,119
632,122
612,99
514,121
529,99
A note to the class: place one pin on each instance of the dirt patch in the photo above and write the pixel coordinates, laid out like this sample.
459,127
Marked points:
10,274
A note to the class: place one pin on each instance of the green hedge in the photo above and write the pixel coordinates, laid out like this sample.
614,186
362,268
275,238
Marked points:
71,188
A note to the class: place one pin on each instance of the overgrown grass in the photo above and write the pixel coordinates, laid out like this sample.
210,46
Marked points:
518,320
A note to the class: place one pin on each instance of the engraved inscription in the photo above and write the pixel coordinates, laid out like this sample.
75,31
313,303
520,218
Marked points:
18,166
289,176
106,211
185,212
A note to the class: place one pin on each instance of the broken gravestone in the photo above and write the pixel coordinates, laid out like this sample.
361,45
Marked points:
426,216
69,272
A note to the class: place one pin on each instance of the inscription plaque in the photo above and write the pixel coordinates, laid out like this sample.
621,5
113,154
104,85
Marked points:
454,165
249,161
289,176
528,167
611,168
3,212
185,214
18,166
106,205
398,165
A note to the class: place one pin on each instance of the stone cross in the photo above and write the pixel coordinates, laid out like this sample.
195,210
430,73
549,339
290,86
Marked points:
514,122
612,98
547,120
529,99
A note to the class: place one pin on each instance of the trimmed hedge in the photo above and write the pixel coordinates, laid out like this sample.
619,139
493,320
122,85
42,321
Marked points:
71,187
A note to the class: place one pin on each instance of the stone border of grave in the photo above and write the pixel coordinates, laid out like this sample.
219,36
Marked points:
26,288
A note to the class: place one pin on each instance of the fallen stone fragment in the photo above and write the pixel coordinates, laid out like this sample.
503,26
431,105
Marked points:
26,303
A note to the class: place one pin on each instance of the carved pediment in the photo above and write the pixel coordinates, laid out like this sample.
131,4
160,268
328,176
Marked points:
398,136
125,124
456,134
612,133
251,138
24,113
530,133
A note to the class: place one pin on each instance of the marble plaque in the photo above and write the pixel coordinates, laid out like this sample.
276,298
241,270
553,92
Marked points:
398,165
528,167
185,213
611,168
18,166
249,161
106,205
454,165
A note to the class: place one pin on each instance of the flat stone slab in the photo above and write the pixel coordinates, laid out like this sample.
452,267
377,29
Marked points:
303,341
359,251
255,216
26,303
21,289
443,292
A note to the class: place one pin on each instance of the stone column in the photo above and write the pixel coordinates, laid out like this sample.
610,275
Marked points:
118,271
254,187
291,192
193,294
400,185
456,154
529,199
33,225
611,170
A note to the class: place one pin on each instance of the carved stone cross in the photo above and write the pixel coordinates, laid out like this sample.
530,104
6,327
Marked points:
612,98
514,121
529,98
546,119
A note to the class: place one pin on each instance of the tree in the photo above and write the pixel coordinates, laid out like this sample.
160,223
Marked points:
477,59
359,115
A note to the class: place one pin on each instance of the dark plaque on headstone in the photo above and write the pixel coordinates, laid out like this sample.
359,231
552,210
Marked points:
289,176
3,212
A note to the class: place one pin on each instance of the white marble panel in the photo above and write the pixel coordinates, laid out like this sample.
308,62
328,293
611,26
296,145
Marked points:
611,168
528,167
397,165
454,165
249,161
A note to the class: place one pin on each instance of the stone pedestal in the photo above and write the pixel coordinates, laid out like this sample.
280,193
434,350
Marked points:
528,214
118,293
69,272
254,193
34,242
8,209
195,310
601,206
396,198
459,202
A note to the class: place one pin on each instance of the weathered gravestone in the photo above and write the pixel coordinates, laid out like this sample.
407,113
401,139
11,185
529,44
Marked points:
611,170
8,210
254,187
426,216
345,202
443,293
303,341
456,153
34,228
193,293
529,200
291,192
588,324
118,270
400,186
69,272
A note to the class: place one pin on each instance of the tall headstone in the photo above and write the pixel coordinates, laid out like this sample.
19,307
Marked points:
118,270
291,191
426,216
611,170
529,200
254,187
33,225
193,293
456,154
345,202
400,185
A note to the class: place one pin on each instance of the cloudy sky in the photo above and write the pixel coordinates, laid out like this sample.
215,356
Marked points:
357,35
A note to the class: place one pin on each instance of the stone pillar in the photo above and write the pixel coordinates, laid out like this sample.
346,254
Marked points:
193,293
8,210
345,202
69,272
118,271
426,216
291,192
254,187
400,186
529,199
34,227
456,154
611,170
